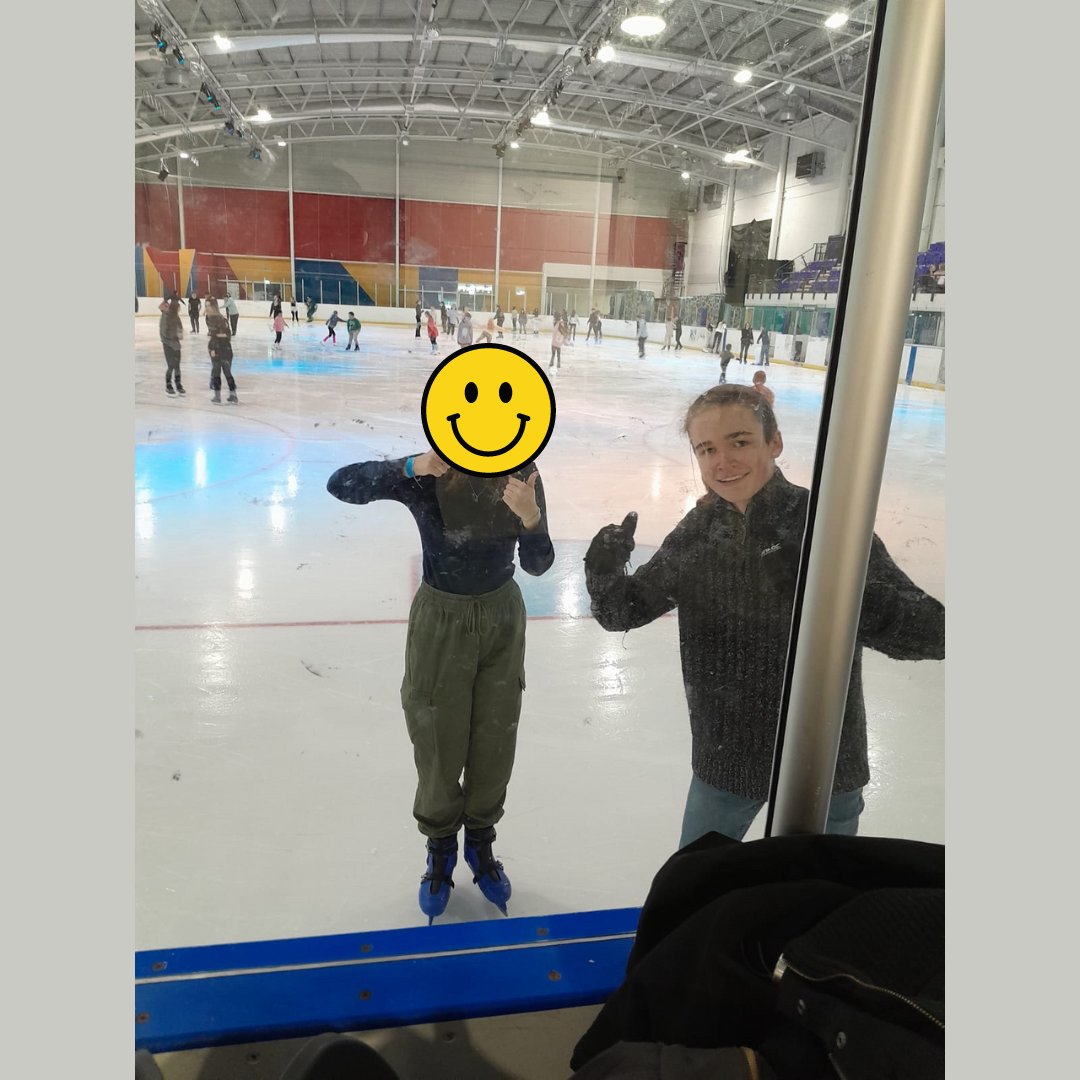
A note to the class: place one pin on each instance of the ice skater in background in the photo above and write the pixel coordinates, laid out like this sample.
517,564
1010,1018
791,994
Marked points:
331,326
730,567
757,384
312,306
194,306
353,326
726,356
233,312
294,310
432,331
219,346
464,651
279,327
746,342
763,341
171,330
558,339
419,315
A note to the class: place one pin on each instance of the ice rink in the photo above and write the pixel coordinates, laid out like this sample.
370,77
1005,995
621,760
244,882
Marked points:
274,777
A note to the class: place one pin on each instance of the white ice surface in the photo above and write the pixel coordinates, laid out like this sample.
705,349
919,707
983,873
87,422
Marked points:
274,777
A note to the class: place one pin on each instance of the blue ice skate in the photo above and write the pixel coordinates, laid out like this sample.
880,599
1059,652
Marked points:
487,870
436,884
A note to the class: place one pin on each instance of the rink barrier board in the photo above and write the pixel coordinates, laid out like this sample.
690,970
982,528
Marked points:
216,995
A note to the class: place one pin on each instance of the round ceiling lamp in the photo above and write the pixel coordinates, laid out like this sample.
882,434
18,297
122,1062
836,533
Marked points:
643,24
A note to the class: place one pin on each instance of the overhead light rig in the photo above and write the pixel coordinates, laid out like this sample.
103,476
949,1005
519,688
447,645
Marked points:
168,32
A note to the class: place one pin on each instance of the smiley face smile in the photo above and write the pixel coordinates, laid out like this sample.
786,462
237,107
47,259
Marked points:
453,419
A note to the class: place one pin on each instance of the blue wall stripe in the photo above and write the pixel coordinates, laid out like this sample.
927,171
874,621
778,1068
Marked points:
910,365
383,944
219,1009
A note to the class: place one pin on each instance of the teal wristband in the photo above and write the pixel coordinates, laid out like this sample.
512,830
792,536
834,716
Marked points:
409,469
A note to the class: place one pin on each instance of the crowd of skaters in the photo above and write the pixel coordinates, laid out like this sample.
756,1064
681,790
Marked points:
222,321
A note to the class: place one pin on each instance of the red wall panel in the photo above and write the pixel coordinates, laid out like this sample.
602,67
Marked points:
361,229
306,225
157,220
272,231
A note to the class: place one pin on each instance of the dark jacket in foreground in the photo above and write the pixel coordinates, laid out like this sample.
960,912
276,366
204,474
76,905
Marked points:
732,577
798,948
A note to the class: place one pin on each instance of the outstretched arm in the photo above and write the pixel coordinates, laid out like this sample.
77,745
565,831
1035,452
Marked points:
898,618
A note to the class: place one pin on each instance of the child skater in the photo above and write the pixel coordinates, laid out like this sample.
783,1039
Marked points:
353,326
464,651
279,326
432,331
331,325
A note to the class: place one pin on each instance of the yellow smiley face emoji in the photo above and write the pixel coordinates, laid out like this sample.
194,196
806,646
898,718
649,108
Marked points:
488,409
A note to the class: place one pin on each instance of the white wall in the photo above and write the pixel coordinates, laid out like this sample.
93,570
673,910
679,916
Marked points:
813,207
443,171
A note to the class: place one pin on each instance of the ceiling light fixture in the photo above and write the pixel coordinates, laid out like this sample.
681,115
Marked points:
606,52
184,154
541,118
643,24
222,42
263,116
179,55
515,145
685,175
836,20
281,142
158,37
743,75
405,139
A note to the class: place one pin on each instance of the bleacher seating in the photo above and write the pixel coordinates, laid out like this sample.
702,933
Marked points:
823,275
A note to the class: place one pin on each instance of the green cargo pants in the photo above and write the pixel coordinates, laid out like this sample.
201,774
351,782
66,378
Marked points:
464,674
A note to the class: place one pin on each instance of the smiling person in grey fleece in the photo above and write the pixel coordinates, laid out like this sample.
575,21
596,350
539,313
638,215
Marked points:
730,567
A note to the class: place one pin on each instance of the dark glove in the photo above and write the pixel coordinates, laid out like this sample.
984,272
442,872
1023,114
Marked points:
610,549
780,568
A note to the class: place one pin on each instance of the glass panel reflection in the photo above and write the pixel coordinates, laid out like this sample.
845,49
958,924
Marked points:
274,621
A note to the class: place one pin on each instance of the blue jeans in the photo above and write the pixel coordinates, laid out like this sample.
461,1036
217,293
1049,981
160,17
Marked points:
709,809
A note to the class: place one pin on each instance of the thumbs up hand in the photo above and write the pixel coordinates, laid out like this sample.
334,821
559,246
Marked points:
610,549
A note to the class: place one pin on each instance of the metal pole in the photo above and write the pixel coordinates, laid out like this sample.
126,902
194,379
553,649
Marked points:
595,231
927,228
397,224
292,227
844,199
904,79
778,209
729,217
498,236
180,202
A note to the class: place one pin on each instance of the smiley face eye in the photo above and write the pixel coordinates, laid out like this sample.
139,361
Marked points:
471,393
506,392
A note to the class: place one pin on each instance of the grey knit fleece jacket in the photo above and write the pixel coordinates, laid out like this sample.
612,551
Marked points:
718,568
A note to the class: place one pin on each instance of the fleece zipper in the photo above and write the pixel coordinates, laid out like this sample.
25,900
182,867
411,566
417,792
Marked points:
782,965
